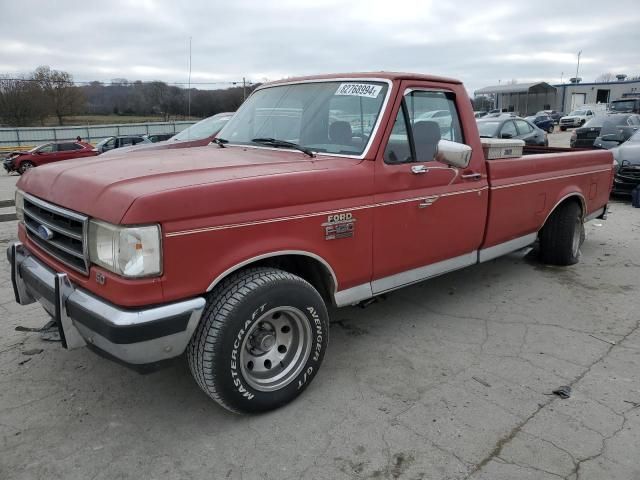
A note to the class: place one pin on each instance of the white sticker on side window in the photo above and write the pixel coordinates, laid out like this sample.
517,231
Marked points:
359,90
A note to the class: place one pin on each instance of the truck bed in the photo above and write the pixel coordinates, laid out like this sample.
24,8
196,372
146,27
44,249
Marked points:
525,190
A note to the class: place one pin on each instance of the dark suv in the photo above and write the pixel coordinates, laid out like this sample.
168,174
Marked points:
585,136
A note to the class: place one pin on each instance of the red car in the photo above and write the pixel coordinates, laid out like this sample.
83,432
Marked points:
197,135
49,152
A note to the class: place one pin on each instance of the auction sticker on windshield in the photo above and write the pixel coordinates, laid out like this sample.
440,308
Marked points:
359,90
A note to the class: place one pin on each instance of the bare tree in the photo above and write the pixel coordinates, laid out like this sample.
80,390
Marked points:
21,101
605,77
64,98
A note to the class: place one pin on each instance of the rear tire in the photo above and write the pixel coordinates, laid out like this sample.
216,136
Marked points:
562,235
24,166
550,130
563,129
261,340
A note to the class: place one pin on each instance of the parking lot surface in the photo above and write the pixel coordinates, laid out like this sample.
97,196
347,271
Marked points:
448,379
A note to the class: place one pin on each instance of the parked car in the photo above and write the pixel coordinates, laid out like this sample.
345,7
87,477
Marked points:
506,126
480,113
577,118
231,254
197,135
556,116
626,105
585,136
543,121
612,136
627,173
441,117
111,143
158,137
49,152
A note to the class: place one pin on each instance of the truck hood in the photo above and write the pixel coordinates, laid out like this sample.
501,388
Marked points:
106,188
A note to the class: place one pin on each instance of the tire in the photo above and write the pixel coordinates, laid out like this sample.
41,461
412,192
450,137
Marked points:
255,318
563,129
25,166
550,129
582,122
562,235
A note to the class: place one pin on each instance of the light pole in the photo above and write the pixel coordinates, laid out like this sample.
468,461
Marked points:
578,66
189,87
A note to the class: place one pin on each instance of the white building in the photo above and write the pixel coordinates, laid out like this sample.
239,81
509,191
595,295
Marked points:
572,95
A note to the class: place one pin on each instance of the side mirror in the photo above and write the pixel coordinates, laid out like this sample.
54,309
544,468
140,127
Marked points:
454,154
506,135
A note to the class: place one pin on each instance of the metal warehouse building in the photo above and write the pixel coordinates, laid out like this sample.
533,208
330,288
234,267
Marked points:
572,95
523,98
529,98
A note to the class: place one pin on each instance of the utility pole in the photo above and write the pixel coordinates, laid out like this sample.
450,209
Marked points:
561,77
244,89
189,88
578,66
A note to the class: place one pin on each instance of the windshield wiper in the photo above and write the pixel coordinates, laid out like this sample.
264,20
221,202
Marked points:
283,143
221,142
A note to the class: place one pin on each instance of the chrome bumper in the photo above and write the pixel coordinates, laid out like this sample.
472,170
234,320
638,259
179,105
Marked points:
133,336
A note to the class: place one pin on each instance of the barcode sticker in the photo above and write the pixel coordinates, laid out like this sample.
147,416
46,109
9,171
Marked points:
359,90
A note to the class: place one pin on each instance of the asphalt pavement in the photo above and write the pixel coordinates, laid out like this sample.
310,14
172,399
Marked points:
448,379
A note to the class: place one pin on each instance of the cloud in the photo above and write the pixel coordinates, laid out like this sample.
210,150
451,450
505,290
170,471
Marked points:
480,42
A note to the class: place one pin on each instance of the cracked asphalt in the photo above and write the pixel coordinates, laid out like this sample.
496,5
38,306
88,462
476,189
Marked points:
448,379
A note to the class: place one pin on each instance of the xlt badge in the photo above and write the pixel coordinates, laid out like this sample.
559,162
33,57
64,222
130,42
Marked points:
339,225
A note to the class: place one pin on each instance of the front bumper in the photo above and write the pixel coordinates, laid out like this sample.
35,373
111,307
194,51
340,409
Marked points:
8,165
624,185
135,337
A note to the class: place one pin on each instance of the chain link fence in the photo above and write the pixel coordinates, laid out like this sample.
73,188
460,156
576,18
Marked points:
25,138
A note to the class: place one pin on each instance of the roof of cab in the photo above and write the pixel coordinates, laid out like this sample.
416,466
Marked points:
366,75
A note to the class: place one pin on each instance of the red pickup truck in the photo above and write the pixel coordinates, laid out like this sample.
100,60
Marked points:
326,190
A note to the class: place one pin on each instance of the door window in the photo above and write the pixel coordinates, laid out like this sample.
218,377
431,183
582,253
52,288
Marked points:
508,130
523,127
424,118
68,147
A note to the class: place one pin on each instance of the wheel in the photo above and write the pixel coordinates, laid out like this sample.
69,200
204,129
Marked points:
24,166
563,129
582,122
261,340
562,235
550,129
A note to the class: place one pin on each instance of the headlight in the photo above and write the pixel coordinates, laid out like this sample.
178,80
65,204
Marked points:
20,205
127,251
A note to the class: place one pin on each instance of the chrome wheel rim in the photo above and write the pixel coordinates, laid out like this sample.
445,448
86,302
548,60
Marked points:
275,349
577,233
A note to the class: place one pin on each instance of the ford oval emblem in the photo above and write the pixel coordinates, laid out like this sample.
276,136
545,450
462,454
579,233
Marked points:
44,232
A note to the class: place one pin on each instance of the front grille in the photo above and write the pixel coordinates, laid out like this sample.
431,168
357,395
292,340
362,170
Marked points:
68,240
629,173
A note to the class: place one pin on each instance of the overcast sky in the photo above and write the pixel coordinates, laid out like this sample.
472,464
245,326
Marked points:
479,42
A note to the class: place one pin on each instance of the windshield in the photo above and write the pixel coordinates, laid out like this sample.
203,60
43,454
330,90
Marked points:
635,138
488,129
203,129
332,117
625,106
578,112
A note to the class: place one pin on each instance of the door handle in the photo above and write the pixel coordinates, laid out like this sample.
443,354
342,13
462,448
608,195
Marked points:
418,169
472,176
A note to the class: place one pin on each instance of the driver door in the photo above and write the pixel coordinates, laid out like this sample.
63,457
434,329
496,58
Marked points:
429,217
